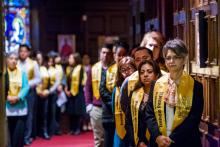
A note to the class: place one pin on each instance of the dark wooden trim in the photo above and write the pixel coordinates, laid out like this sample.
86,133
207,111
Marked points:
3,125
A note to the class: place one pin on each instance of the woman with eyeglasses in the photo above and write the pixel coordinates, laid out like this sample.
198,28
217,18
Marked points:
126,67
175,104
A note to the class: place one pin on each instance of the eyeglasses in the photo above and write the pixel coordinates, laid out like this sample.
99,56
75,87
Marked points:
123,70
174,58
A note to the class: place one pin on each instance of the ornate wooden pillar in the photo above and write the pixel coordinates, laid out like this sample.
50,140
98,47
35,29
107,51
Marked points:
2,87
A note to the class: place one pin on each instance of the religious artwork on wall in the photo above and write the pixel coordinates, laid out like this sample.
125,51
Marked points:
17,24
66,45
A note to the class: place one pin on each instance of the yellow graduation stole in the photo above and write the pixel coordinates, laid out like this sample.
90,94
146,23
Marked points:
184,101
30,70
96,78
163,72
84,77
111,77
136,99
44,80
52,74
59,71
15,82
119,116
75,79
133,79
68,70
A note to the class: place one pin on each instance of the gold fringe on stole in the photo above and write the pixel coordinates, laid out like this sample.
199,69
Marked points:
184,102
15,82
96,78
111,77
119,115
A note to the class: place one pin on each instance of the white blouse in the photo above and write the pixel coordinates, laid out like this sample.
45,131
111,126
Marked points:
169,118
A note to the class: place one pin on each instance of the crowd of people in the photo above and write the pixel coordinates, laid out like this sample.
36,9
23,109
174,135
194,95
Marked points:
130,97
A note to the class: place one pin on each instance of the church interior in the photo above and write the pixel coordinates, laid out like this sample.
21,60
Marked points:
88,23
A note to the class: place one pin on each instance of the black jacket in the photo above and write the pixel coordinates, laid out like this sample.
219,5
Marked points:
106,97
186,134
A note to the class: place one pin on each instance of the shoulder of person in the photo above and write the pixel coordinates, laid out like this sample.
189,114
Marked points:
134,76
96,64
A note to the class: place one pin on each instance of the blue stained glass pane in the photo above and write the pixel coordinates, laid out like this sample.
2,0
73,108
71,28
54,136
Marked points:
17,28
17,3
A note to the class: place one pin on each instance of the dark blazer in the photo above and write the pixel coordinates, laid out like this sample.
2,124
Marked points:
106,96
186,134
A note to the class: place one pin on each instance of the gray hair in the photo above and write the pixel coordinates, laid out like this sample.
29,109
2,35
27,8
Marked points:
8,54
177,46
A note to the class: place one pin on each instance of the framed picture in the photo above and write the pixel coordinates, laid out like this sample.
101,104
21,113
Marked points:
66,45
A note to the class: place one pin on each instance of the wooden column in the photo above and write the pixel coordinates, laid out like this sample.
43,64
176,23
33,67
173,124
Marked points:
218,52
2,87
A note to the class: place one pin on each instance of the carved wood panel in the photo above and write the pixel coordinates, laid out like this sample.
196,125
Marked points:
96,24
117,24
106,21
209,75
93,49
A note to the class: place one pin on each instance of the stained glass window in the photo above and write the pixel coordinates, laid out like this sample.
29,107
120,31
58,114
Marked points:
17,24
16,3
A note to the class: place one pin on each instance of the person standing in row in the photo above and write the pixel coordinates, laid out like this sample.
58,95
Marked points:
76,101
126,67
106,87
154,41
60,89
175,105
93,98
54,127
16,89
31,68
140,54
42,90
86,61
148,71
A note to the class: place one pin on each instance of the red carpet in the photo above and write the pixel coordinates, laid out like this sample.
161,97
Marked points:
82,140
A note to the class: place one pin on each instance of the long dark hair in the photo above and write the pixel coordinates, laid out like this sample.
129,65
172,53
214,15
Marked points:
77,58
45,58
156,70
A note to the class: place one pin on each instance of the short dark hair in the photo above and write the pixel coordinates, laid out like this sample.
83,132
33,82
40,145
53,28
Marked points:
177,46
121,44
108,46
144,48
25,46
